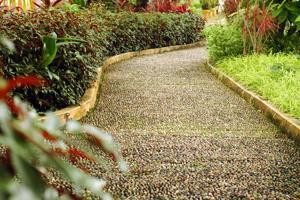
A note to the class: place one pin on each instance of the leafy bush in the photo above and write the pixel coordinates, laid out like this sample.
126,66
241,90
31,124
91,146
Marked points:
208,4
75,64
287,38
288,14
275,77
138,31
284,43
286,17
195,7
223,41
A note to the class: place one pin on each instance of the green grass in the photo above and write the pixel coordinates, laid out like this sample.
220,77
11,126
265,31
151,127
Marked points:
275,77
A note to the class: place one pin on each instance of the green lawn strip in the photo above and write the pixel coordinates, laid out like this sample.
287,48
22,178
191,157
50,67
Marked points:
275,77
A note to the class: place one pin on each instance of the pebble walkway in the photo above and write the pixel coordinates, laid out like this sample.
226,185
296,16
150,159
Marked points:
187,136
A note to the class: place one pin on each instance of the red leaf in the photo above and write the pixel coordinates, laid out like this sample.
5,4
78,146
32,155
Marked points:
76,153
12,106
96,141
5,160
49,137
20,82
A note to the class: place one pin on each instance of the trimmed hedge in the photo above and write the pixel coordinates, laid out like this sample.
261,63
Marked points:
137,31
75,64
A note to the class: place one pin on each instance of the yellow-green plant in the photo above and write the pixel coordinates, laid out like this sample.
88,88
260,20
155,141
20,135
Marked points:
23,5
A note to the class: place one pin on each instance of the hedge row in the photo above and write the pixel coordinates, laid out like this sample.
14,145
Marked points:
75,65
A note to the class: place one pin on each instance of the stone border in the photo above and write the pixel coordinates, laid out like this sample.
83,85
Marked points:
88,101
288,124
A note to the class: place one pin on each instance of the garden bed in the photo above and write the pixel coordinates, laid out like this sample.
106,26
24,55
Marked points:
102,34
275,78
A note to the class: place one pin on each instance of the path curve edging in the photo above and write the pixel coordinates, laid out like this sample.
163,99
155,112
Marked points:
288,124
88,100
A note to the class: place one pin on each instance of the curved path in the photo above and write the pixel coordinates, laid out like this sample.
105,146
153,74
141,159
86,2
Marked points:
187,136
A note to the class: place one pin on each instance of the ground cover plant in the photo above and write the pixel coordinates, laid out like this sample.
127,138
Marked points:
275,77
98,33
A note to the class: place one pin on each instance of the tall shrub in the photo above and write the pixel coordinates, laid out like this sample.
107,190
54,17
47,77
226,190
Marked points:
224,41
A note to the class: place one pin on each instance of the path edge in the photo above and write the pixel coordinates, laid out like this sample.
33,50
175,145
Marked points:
289,125
89,99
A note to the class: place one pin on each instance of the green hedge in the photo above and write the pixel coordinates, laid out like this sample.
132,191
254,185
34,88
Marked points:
137,31
106,34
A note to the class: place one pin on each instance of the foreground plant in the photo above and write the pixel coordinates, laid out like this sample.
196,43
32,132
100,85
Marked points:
31,147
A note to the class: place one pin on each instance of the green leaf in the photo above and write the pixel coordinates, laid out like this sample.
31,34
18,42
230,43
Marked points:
49,49
282,4
292,7
298,25
282,17
29,175
276,12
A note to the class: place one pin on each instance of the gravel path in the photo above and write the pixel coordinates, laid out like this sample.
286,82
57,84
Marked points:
186,136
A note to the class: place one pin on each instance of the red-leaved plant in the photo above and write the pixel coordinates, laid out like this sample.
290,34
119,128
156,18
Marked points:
168,6
231,6
30,147
46,4
258,24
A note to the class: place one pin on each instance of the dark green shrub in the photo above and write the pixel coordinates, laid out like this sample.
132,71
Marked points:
284,43
74,64
138,31
224,41
106,34
287,37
